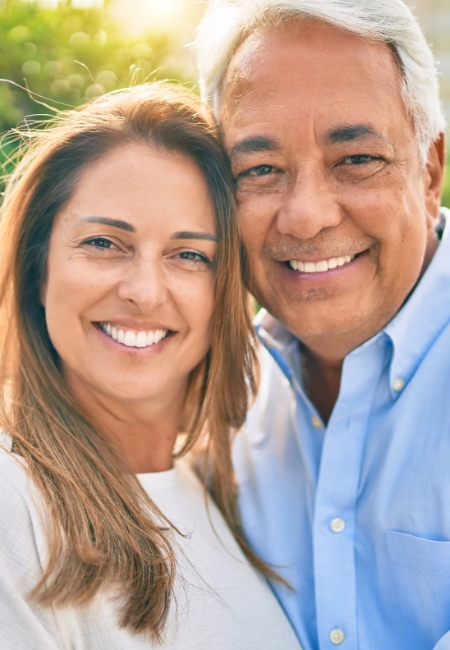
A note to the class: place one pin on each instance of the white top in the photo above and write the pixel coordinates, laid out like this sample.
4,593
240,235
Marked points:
222,603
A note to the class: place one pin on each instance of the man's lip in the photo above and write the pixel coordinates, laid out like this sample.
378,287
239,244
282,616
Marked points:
314,259
329,275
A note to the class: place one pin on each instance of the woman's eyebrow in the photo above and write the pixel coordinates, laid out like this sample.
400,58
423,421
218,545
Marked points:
194,235
106,221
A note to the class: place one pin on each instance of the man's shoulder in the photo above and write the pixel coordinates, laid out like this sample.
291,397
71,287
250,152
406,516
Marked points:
274,384
271,416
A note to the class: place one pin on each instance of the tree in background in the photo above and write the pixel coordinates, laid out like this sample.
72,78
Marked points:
69,55
66,56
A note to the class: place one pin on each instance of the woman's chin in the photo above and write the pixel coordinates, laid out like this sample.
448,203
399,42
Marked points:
104,383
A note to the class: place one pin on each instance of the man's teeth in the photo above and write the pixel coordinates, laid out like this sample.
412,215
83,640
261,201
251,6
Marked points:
323,265
134,339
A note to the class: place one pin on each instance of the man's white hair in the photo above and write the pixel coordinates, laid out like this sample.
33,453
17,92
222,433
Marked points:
227,23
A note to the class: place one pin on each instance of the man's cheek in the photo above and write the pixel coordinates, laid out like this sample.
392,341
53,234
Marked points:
253,231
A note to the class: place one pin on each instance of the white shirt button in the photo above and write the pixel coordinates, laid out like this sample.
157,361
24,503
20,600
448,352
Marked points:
317,422
337,525
337,636
398,385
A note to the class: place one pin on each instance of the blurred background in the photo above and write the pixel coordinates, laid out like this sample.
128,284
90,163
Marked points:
68,51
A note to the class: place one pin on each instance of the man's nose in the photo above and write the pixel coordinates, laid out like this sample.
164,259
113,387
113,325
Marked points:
309,206
144,284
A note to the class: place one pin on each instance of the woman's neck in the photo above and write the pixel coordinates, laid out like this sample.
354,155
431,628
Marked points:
145,431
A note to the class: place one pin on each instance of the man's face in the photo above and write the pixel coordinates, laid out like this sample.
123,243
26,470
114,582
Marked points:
335,208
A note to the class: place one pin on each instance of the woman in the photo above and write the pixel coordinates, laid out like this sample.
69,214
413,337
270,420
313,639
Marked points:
123,324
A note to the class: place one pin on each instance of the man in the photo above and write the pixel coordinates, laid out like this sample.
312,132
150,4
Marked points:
331,116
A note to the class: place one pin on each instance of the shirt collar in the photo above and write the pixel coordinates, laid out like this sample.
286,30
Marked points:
411,332
423,317
282,345
272,333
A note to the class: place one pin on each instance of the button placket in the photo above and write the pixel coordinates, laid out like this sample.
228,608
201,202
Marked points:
337,490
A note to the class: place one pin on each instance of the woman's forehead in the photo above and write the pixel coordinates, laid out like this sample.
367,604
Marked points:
142,187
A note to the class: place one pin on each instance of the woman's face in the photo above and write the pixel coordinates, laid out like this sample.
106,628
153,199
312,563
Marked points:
128,293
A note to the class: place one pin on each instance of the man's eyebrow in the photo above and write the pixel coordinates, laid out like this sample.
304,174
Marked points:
348,133
254,145
106,221
185,234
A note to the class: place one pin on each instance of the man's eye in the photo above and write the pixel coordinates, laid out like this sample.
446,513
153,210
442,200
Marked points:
100,242
192,256
359,159
261,170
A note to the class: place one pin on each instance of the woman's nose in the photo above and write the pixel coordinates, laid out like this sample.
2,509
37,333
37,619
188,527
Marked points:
144,284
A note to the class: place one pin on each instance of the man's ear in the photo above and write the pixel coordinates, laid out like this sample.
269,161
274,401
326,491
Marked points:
433,178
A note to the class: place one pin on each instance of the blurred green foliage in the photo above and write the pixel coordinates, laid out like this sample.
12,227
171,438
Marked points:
69,55
446,192
65,56
60,57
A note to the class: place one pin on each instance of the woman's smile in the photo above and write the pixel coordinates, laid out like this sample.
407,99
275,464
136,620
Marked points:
132,261
134,338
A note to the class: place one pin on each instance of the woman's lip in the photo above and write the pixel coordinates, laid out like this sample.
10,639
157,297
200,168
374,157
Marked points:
137,326
133,349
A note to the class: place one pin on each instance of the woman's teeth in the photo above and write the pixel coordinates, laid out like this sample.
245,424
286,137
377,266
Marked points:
133,339
320,267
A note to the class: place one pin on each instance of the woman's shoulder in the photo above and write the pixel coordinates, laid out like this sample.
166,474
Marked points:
22,538
16,491
12,470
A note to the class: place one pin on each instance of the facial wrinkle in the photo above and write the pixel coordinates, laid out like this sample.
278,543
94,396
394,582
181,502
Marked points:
324,245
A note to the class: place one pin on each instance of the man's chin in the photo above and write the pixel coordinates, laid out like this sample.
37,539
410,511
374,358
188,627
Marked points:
308,319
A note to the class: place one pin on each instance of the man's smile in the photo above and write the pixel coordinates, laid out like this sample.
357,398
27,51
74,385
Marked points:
320,266
339,273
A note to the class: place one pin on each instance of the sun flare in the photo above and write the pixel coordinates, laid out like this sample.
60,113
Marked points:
140,16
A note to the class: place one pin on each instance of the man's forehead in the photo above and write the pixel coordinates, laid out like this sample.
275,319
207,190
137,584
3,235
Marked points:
314,63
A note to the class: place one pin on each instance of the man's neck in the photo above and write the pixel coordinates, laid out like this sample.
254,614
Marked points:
324,359
323,380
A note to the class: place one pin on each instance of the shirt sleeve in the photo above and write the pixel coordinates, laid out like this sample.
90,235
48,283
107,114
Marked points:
23,624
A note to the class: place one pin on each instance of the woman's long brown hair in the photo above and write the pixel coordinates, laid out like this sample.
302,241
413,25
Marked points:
103,529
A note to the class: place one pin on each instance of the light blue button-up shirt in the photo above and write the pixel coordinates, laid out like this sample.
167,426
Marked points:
356,514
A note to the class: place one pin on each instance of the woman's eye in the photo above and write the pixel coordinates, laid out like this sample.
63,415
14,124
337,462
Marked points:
192,256
360,159
100,242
